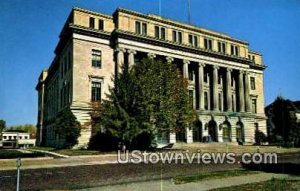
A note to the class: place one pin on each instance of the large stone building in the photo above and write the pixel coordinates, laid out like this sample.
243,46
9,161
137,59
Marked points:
225,76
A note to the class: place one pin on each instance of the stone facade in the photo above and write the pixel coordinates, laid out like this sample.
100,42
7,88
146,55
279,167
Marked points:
225,77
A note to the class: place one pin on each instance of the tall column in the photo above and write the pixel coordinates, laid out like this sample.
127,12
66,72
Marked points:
186,68
247,93
120,59
201,86
241,91
228,89
215,88
151,55
131,54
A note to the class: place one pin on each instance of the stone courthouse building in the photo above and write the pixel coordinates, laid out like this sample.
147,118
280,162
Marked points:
225,76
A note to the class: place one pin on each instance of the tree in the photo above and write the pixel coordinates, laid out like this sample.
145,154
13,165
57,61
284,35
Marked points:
2,125
260,137
149,98
25,128
68,128
285,122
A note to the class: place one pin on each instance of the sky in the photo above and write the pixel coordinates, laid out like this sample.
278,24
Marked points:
29,31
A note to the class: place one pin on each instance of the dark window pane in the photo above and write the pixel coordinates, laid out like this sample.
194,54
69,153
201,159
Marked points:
138,27
174,36
190,39
163,33
101,24
195,41
144,26
156,32
96,91
180,37
96,58
92,22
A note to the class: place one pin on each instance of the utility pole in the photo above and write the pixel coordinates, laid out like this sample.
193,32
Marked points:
189,11
19,164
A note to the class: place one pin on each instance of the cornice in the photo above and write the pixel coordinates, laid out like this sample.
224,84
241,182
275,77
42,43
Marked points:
172,45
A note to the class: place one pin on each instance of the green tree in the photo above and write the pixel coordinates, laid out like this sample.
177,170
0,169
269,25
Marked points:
25,128
149,98
285,122
2,125
68,128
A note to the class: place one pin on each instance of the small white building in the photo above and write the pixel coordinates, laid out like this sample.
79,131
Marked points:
17,140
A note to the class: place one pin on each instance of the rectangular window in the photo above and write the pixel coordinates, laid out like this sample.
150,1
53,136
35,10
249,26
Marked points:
205,100
208,44
220,102
96,58
174,36
179,37
190,39
137,27
101,24
234,50
163,33
254,106
193,40
191,75
96,91
144,29
252,83
92,22
222,47
156,32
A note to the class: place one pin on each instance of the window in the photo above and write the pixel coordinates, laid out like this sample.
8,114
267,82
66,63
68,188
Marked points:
234,50
101,24
220,102
140,28
177,36
254,106
191,75
92,22
156,32
160,32
252,83
96,91
144,29
96,58
205,100
193,40
222,47
137,27
207,44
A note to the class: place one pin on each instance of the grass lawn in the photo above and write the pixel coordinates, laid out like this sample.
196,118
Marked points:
238,149
212,175
10,154
271,185
72,152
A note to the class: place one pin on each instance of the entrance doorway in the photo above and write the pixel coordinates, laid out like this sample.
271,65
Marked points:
213,131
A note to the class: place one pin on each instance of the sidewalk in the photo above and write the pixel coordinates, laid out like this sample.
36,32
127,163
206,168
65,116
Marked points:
166,185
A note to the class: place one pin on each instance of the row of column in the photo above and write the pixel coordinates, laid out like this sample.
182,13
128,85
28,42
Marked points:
244,94
243,88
